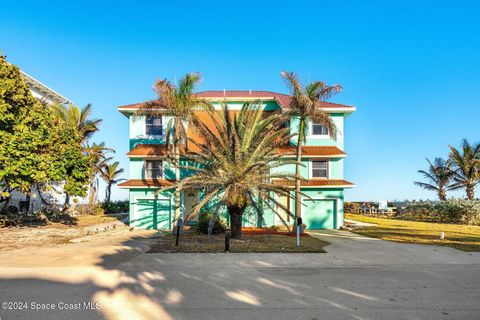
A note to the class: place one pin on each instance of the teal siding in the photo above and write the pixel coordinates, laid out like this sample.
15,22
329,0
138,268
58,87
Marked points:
338,119
324,210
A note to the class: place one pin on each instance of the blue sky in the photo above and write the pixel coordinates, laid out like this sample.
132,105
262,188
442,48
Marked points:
411,68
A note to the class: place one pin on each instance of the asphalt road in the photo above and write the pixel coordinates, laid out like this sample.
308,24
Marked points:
359,278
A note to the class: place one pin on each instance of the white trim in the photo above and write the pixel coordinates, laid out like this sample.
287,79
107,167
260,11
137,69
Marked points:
144,171
321,136
152,136
328,187
336,204
320,157
139,187
127,110
320,178
44,89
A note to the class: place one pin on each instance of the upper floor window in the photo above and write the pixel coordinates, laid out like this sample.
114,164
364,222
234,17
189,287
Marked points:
153,125
319,169
319,130
153,169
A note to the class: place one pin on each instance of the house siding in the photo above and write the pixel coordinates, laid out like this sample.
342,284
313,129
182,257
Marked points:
149,210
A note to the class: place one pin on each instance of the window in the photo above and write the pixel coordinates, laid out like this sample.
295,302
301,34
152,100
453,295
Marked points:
319,169
153,125
319,130
153,169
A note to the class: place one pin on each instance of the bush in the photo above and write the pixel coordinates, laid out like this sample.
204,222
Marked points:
86,209
450,211
219,225
118,206
351,207
460,211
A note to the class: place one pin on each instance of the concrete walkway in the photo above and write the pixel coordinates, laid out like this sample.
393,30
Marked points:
359,278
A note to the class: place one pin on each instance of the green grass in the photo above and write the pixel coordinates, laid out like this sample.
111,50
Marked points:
463,237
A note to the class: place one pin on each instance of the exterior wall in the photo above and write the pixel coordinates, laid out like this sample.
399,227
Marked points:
335,167
146,207
338,119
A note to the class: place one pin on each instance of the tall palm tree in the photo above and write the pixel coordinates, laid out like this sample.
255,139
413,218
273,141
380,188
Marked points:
467,167
110,173
305,105
439,177
98,159
178,101
235,160
78,118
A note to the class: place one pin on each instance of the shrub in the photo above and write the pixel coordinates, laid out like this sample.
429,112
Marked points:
118,206
452,211
351,207
219,225
459,211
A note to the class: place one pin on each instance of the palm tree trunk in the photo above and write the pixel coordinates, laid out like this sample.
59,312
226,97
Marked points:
470,192
236,214
109,192
298,205
67,202
442,195
177,178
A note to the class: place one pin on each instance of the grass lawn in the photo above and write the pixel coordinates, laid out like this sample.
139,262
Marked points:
463,237
191,241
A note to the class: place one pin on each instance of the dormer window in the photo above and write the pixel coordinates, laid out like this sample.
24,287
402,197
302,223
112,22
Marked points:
153,126
319,130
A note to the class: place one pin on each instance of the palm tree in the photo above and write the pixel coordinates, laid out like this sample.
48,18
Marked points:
467,167
78,118
180,103
98,159
439,177
305,104
110,174
235,162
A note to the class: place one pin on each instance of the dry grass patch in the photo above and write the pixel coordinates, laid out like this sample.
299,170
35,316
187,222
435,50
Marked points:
463,237
192,242
48,234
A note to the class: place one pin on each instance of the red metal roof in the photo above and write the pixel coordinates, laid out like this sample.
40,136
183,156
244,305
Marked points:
160,150
316,183
147,183
282,99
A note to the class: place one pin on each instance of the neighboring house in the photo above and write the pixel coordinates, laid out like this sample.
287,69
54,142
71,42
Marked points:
44,94
323,160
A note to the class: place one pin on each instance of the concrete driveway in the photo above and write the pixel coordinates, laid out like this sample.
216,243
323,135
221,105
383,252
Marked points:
359,278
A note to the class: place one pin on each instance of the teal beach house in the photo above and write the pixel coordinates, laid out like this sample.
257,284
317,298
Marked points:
322,160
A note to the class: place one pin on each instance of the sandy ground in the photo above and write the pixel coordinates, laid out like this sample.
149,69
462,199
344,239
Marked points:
50,234
111,277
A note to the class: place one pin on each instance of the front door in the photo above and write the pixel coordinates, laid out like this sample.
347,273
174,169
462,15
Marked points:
284,201
189,199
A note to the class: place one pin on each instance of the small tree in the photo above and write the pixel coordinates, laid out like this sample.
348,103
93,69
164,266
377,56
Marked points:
439,177
110,173
236,161
305,104
36,148
179,102
467,167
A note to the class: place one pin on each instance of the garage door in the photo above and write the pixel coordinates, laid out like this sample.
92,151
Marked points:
319,214
152,214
